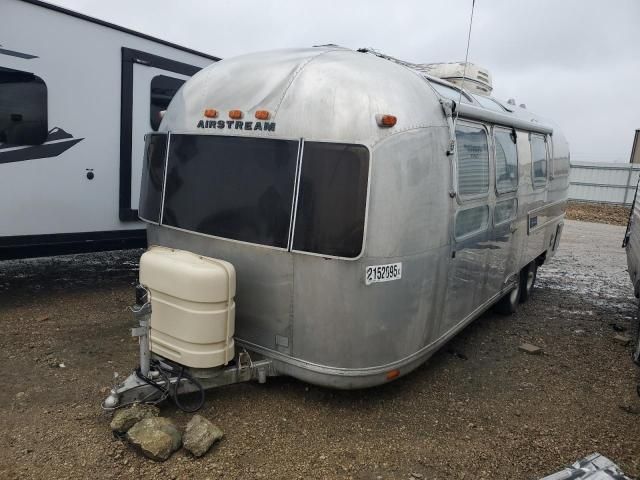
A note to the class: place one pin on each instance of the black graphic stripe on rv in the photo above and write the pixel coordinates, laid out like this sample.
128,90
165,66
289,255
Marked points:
13,53
58,141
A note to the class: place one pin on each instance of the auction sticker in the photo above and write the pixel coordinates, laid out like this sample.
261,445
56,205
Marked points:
383,273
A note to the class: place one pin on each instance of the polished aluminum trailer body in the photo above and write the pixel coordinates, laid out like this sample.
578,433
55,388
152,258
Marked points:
316,316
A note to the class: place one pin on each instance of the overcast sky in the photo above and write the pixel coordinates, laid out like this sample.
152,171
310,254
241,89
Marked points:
576,62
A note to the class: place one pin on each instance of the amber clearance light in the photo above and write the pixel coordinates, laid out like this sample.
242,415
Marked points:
393,374
262,114
211,113
235,114
386,120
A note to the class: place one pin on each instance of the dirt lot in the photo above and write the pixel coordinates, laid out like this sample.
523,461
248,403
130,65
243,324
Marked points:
598,213
478,409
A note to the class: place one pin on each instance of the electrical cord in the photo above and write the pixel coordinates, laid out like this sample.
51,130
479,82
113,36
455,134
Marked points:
201,394
173,393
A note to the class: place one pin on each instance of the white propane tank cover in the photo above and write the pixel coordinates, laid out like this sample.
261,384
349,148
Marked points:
192,306
476,79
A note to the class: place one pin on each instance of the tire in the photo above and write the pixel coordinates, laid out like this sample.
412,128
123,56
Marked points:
508,304
528,277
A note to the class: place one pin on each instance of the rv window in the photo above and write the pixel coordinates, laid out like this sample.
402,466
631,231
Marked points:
471,220
332,199
539,161
155,151
473,160
505,211
231,187
489,103
163,89
23,108
449,92
561,166
506,160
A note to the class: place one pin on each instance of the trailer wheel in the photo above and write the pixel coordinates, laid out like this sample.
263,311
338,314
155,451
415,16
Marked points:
509,303
527,281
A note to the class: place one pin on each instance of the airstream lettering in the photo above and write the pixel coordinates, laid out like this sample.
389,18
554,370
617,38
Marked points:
388,211
237,125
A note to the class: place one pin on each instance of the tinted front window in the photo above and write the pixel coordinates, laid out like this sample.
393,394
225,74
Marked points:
506,161
163,89
231,187
332,199
23,108
473,160
152,177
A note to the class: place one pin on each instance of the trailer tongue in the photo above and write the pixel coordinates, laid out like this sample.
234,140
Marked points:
186,319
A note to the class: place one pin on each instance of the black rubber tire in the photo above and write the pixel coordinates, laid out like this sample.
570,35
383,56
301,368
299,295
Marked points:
528,277
508,304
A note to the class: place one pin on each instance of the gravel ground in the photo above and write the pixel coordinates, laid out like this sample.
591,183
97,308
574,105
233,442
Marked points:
598,213
478,409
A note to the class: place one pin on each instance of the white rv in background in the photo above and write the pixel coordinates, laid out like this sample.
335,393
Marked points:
77,96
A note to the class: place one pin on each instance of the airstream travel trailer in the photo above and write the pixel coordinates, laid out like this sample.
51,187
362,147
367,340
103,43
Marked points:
77,96
631,241
336,216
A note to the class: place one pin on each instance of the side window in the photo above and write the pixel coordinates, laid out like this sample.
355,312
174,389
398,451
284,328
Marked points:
506,160
471,220
561,165
505,211
473,160
538,161
163,89
23,108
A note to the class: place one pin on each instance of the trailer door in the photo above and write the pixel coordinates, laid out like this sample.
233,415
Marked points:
467,288
502,261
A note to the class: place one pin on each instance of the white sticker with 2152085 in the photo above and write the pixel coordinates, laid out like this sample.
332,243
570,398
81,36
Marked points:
383,273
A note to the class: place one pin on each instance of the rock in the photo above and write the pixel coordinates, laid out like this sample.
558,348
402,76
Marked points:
200,434
126,418
417,475
622,340
530,349
156,438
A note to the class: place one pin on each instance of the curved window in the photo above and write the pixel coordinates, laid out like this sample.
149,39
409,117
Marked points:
505,211
231,187
155,152
300,196
332,199
538,161
473,160
163,89
23,108
471,221
506,155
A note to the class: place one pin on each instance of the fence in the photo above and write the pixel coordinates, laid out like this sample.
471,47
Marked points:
603,182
